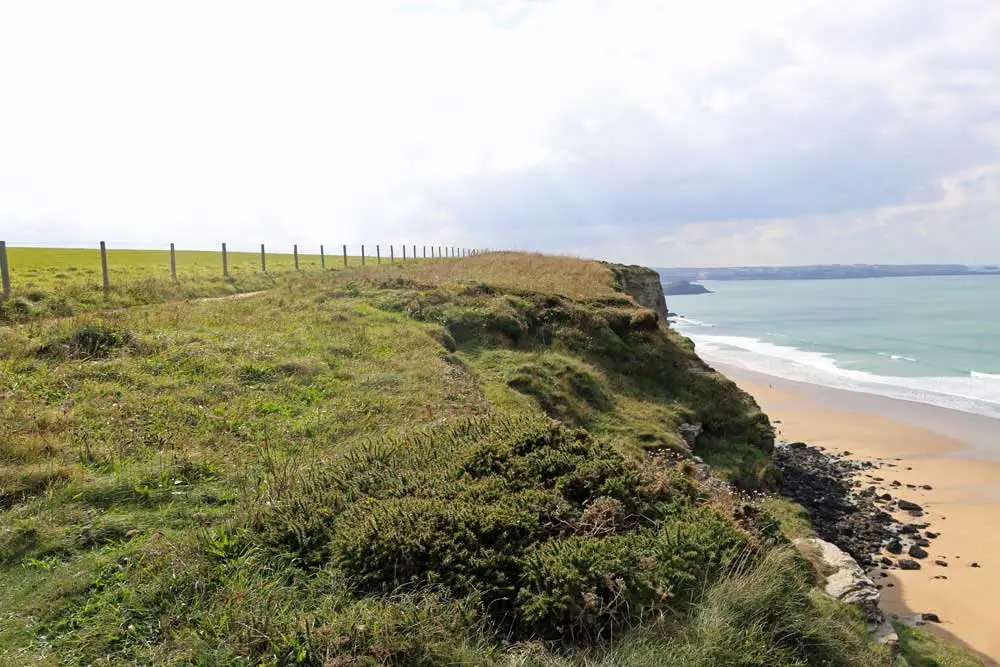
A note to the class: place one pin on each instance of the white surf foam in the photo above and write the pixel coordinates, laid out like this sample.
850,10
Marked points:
697,323
979,393
896,357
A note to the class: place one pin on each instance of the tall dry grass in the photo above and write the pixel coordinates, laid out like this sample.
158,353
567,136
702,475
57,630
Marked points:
524,271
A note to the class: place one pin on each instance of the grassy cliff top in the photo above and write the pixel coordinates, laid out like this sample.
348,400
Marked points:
423,463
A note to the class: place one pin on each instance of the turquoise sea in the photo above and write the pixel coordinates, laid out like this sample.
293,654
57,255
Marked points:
931,340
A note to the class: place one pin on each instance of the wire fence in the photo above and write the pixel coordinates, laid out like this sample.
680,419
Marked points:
153,258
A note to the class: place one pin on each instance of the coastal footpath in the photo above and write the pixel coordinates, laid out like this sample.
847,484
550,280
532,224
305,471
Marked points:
503,459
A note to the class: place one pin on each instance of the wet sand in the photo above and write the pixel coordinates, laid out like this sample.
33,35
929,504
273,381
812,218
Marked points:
957,454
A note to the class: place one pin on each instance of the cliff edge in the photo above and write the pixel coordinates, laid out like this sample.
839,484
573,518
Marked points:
642,284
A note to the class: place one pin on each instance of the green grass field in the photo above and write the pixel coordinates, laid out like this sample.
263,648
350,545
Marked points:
358,468
61,281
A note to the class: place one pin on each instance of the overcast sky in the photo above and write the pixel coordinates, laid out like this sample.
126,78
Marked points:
701,132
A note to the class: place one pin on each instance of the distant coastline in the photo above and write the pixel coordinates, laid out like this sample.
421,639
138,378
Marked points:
824,272
684,287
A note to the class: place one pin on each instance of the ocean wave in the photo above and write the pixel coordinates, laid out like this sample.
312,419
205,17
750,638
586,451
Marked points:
896,357
698,323
979,393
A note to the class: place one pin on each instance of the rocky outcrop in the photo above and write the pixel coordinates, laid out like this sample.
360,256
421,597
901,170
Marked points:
643,285
685,287
690,433
845,580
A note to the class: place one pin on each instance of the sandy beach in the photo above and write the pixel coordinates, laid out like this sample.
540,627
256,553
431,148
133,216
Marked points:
956,454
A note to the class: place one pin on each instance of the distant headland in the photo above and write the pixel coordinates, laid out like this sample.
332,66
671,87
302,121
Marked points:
683,287
822,272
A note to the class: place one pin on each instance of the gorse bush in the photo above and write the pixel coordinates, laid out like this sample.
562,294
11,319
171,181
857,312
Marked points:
90,340
762,613
499,511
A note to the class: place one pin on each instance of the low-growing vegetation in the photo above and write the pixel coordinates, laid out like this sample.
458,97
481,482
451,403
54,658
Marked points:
467,462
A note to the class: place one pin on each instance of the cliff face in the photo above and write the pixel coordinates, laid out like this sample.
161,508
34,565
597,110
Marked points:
643,285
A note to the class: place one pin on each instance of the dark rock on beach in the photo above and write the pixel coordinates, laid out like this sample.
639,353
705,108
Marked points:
917,552
907,564
824,485
910,507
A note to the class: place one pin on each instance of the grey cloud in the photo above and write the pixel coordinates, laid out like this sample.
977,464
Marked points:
834,147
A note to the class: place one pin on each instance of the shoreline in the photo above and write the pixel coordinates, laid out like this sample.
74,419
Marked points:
918,445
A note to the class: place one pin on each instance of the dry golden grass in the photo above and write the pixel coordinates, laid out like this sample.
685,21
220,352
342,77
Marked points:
567,276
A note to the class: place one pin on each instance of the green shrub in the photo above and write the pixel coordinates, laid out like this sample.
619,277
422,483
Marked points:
88,341
59,306
14,309
468,548
586,587
619,320
645,320
485,509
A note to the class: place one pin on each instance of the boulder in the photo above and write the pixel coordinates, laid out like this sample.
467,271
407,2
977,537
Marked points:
847,581
690,433
907,564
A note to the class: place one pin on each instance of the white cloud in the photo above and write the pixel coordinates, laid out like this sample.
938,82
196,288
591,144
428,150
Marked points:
959,227
557,125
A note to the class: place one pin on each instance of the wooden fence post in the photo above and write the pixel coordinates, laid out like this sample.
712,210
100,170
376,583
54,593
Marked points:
295,252
263,259
225,261
425,252
404,252
104,267
362,254
4,269
378,254
322,257
173,263
345,256
414,251
392,255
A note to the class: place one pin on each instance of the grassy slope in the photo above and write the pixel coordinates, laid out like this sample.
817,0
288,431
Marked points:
292,479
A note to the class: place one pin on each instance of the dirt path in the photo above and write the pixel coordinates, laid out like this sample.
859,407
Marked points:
238,295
